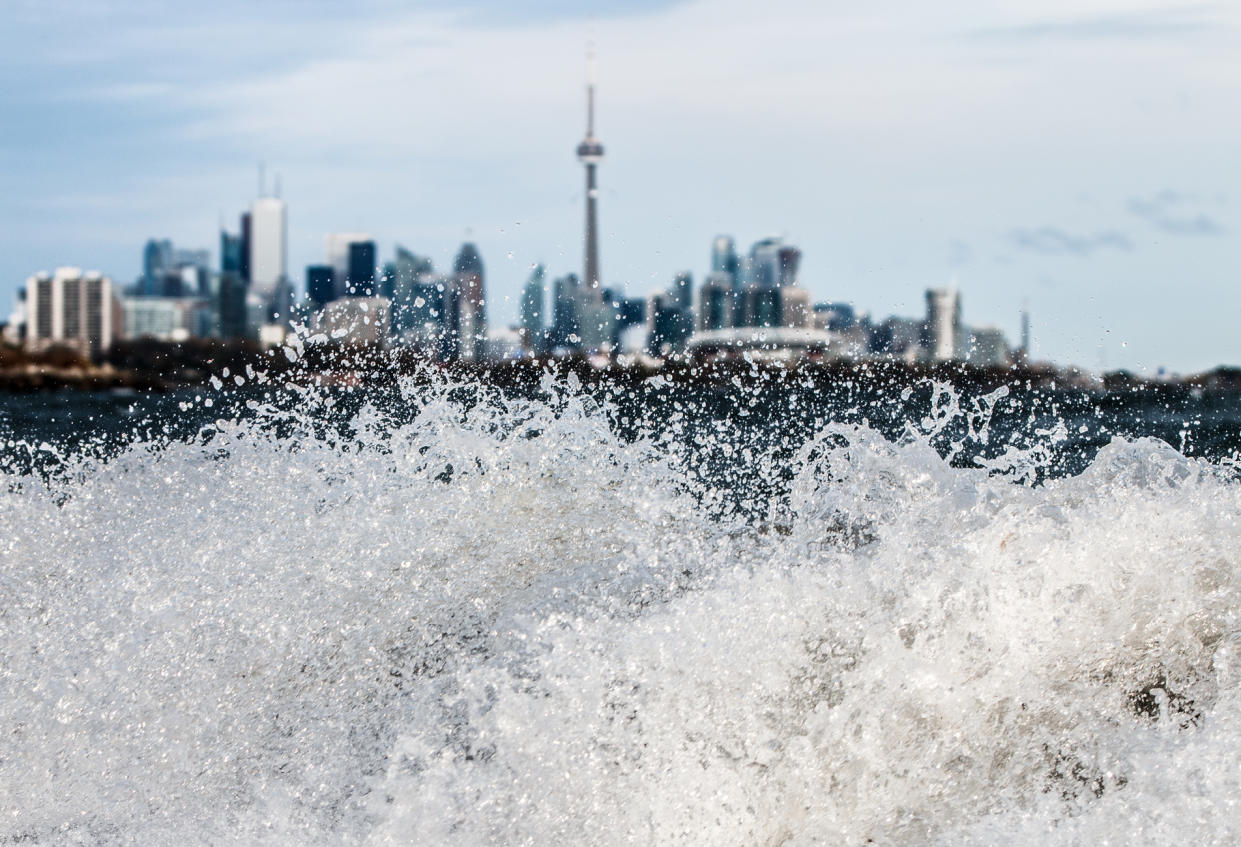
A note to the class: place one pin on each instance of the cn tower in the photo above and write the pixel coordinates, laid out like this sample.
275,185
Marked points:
590,154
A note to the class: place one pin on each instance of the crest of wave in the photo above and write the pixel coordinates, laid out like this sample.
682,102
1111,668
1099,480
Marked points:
217,640
925,654
498,623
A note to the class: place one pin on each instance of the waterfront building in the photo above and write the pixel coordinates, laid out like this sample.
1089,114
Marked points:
408,283
724,256
231,305
73,309
156,265
988,348
471,324
163,318
337,252
268,247
533,310
320,284
716,302
360,278
943,324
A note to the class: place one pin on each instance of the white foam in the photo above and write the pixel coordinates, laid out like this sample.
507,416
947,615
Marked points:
334,640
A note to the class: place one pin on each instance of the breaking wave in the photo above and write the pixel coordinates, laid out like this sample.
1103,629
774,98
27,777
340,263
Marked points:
498,621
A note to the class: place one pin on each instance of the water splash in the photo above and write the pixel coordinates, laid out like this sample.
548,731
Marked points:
494,620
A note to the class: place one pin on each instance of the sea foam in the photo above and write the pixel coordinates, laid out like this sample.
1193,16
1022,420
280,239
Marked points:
497,621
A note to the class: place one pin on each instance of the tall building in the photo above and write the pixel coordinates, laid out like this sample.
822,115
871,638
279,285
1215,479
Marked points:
360,278
336,249
268,247
943,324
533,309
230,252
716,301
320,284
246,242
157,263
71,308
472,315
724,255
590,154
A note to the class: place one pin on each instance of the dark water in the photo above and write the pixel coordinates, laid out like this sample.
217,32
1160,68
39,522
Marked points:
698,421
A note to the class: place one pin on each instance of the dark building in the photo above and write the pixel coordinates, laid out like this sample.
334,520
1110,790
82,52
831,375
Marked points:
320,284
671,326
471,321
232,305
245,248
682,290
230,252
565,329
360,281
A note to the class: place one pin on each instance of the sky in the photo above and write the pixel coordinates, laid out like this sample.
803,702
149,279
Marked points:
1080,159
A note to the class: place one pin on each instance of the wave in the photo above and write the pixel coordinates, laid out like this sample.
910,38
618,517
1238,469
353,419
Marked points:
495,620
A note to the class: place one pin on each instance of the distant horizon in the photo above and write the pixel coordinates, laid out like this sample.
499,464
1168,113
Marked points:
1080,162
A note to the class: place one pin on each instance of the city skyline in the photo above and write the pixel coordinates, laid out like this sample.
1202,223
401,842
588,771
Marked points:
1124,244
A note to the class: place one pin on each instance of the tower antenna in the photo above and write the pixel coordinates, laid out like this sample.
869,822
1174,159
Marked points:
262,181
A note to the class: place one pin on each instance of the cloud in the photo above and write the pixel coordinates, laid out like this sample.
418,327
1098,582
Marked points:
1051,241
1175,213
1143,25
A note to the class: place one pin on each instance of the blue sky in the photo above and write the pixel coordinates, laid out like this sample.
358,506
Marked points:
1081,158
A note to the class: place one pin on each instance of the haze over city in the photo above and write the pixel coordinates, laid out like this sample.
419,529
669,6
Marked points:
1080,162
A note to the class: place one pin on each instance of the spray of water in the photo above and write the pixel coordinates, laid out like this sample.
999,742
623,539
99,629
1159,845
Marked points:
493,620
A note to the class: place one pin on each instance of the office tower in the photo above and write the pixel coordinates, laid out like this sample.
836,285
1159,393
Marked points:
788,260
268,247
472,321
336,250
360,277
73,309
246,242
230,252
320,284
409,273
682,290
724,256
231,303
157,263
795,308
590,154
564,330
670,326
943,323
716,301
760,305
533,309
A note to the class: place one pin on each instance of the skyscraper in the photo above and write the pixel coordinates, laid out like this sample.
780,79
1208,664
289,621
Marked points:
590,154
533,318
156,265
321,284
472,320
336,246
943,323
724,255
360,281
268,247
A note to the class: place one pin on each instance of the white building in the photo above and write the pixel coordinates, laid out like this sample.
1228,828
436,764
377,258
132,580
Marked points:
161,318
70,308
988,347
268,246
943,324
